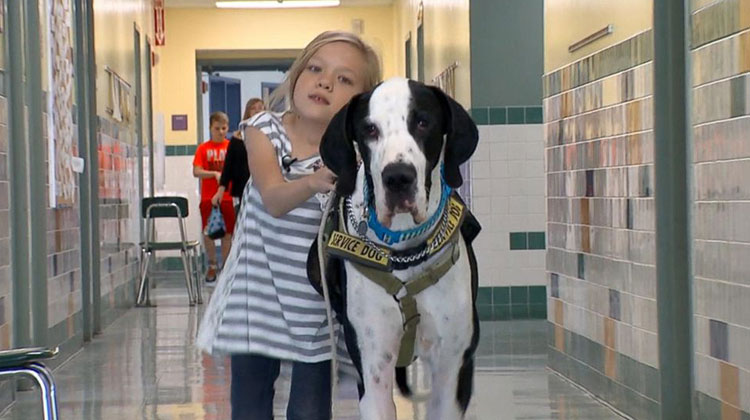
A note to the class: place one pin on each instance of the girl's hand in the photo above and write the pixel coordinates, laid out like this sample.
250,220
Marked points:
322,180
216,198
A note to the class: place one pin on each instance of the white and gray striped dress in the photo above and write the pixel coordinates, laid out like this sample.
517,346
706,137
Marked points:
263,302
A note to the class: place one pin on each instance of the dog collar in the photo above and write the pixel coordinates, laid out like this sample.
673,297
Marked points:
391,237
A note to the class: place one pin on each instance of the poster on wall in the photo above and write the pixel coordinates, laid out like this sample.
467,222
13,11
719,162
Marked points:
60,129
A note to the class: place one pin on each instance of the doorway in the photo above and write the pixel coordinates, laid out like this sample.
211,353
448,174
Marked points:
224,95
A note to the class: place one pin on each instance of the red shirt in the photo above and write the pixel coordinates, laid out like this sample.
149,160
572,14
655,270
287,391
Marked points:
210,156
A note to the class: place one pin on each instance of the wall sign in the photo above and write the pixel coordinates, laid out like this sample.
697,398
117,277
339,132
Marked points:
179,122
159,26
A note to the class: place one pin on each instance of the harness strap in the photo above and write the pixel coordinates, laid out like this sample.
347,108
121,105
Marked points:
405,294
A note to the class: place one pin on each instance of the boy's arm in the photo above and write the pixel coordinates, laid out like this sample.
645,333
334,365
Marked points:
280,196
199,172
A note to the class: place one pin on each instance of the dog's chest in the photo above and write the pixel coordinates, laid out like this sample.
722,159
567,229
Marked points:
444,308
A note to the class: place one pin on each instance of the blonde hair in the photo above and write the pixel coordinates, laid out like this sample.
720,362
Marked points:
286,89
248,105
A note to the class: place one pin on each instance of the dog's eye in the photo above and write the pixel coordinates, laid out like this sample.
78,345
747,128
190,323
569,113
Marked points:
422,124
372,130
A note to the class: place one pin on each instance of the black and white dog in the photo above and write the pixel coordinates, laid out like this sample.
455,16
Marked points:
398,212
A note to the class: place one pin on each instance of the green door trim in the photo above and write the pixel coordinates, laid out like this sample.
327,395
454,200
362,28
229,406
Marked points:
673,169
150,120
18,169
93,127
84,191
138,120
37,179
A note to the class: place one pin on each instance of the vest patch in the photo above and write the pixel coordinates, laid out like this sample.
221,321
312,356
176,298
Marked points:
357,250
455,217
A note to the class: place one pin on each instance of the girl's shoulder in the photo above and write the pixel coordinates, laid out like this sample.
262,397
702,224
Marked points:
266,120
270,124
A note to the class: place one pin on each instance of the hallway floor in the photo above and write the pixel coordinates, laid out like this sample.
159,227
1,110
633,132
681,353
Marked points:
144,366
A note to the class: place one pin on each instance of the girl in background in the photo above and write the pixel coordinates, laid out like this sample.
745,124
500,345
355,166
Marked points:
235,174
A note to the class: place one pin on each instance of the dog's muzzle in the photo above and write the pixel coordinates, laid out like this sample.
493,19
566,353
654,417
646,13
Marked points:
400,185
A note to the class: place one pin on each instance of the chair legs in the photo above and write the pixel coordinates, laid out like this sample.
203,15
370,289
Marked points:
190,269
52,394
143,293
188,276
195,268
43,377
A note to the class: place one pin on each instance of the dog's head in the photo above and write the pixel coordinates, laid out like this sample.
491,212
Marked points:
404,130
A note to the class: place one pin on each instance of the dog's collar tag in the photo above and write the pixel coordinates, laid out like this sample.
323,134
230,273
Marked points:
362,228
357,250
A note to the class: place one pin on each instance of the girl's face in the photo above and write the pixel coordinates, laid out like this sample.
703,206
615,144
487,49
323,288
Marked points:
256,108
331,77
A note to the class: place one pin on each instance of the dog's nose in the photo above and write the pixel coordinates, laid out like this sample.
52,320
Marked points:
399,177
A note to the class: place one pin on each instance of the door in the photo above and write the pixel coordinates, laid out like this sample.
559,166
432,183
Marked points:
225,96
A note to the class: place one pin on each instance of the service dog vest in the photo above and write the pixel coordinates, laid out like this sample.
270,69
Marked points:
376,263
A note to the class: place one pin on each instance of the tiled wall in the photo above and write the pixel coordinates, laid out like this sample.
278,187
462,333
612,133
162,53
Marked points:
6,306
64,273
179,180
602,306
508,197
119,216
64,270
600,231
721,61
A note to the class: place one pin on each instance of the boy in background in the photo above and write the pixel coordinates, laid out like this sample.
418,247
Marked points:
207,166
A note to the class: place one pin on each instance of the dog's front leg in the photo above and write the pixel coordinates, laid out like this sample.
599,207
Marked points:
376,317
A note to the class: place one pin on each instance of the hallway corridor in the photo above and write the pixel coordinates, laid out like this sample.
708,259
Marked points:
144,366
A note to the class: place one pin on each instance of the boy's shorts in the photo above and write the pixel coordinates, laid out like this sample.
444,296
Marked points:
227,211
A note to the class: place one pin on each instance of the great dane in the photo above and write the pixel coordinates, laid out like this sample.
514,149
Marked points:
399,262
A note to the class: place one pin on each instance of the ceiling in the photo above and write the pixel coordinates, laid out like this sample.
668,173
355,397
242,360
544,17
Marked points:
210,3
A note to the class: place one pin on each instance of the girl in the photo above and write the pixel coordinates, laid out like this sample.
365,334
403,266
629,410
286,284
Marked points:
236,172
264,310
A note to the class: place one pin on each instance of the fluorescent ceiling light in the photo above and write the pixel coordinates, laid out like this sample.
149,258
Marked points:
275,4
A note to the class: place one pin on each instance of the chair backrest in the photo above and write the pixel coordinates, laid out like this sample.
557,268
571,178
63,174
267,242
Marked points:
158,210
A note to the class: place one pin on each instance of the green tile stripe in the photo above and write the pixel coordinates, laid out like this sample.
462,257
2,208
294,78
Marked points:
512,302
527,240
507,115
493,303
169,264
634,389
181,150
709,407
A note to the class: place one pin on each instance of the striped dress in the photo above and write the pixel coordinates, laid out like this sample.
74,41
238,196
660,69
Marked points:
263,302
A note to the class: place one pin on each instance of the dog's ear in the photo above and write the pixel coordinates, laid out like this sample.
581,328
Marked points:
461,137
337,148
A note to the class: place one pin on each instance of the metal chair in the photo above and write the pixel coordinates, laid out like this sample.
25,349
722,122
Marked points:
168,207
26,361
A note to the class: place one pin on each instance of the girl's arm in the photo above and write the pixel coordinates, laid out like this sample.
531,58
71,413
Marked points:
280,196
229,172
